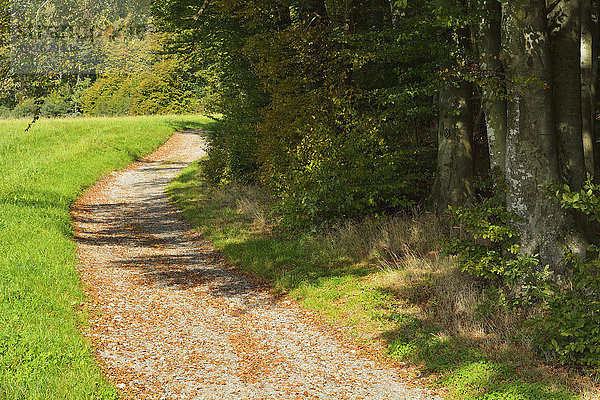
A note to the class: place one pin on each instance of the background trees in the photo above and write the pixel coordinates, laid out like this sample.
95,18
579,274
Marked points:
339,107
54,51
331,104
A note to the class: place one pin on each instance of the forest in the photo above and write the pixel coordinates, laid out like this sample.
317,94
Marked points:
471,126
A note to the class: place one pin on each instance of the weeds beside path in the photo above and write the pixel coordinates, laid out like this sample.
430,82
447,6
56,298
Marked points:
408,303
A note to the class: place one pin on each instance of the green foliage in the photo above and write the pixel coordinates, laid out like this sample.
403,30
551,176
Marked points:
333,119
64,100
26,108
55,105
76,97
162,89
587,200
488,247
570,327
109,95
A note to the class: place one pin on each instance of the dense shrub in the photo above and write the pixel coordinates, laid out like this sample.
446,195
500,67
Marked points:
109,95
62,99
55,105
27,108
5,112
163,89
322,118
570,326
487,246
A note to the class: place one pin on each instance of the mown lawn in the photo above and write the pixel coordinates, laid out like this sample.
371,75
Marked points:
42,171
372,301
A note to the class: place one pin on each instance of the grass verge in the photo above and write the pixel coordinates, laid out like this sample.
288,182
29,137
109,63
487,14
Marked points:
42,353
386,282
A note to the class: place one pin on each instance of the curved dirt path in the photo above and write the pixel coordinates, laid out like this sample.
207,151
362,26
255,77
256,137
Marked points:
170,320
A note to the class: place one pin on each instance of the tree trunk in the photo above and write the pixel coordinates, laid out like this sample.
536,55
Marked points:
595,82
531,154
282,16
454,175
493,95
565,35
455,165
587,99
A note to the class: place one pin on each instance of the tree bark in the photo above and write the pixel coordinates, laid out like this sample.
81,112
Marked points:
455,165
565,35
454,174
531,154
587,99
283,16
493,90
594,83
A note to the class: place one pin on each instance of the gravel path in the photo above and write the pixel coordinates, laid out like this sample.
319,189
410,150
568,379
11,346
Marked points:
171,320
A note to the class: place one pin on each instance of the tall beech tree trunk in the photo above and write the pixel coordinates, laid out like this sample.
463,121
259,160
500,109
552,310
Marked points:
565,35
594,79
455,164
587,78
493,96
531,154
454,174
282,15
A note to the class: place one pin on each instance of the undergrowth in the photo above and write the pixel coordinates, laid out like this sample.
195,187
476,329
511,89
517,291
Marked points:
42,353
385,281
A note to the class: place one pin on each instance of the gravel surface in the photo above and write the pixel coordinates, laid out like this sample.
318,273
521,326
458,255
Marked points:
171,320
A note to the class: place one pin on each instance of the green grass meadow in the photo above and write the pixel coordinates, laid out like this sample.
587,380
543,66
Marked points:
363,297
42,172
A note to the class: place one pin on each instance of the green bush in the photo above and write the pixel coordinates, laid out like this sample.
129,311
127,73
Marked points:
161,90
323,118
487,247
5,112
570,326
106,96
27,108
351,180
55,106
76,99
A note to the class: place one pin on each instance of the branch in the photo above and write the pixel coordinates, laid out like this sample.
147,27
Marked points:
552,6
199,13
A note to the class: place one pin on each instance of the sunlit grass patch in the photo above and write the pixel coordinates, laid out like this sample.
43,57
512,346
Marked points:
42,353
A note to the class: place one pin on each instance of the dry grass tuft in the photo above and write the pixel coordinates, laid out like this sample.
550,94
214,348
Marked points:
251,201
408,248
452,299
390,241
